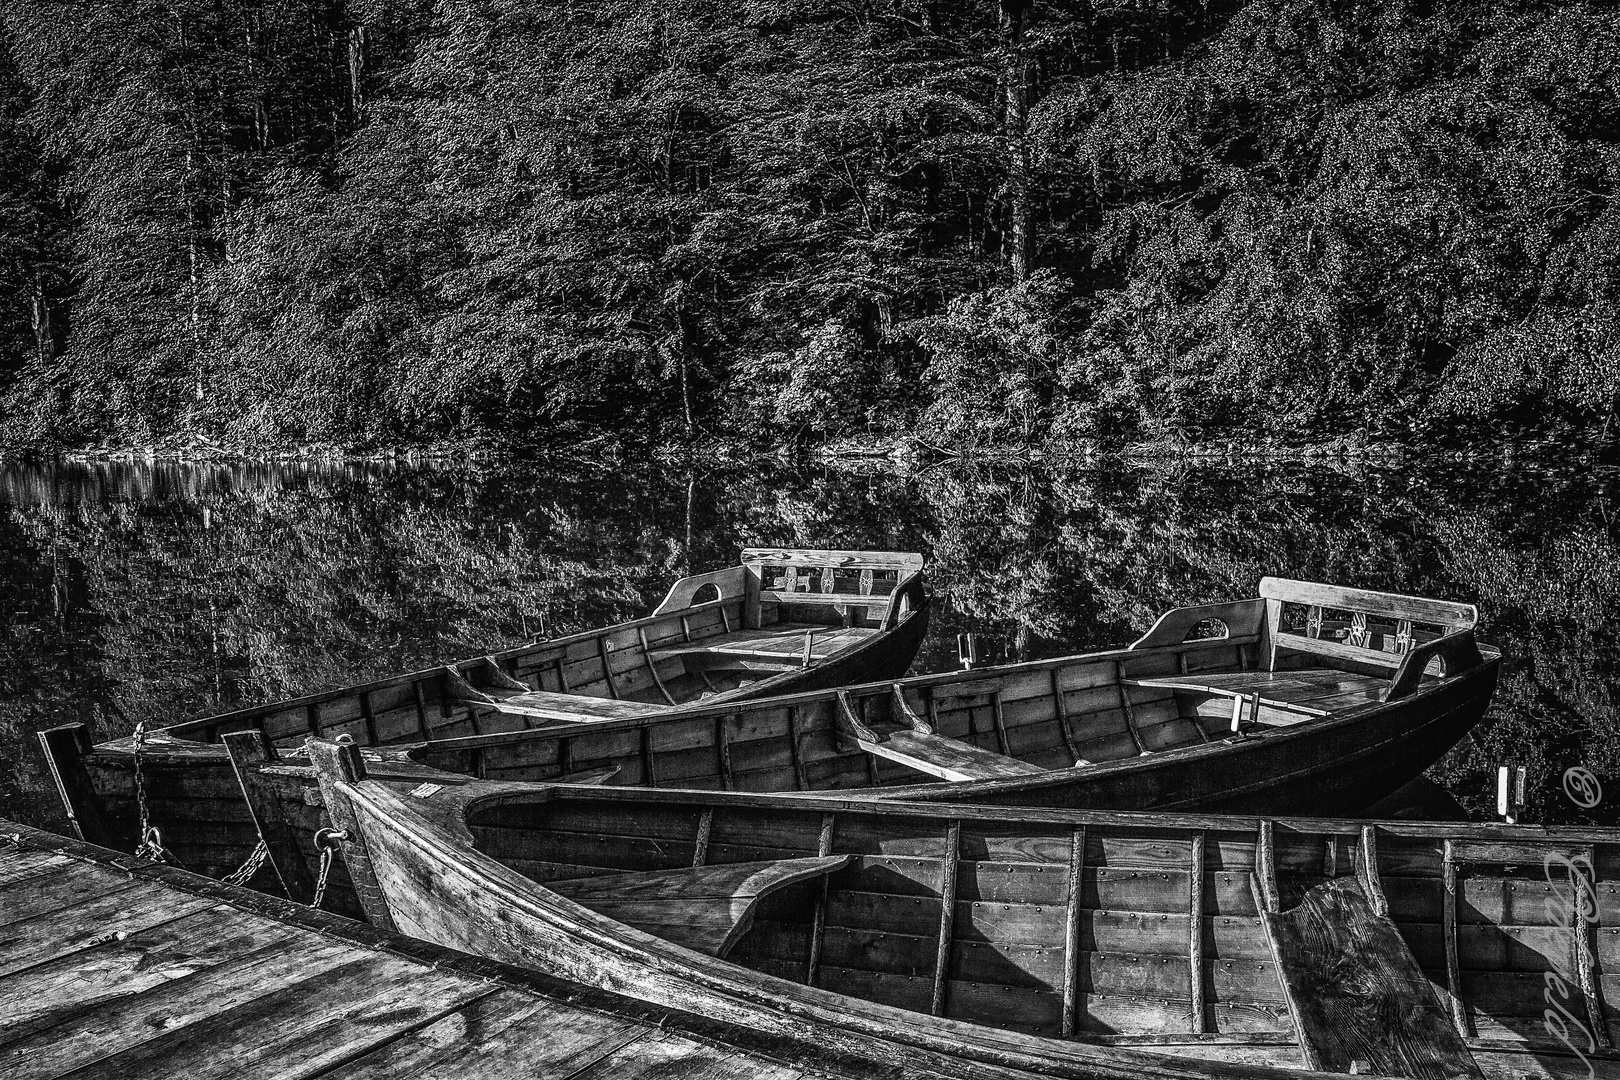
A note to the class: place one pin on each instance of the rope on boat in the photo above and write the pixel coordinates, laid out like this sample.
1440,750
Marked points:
244,873
151,845
326,842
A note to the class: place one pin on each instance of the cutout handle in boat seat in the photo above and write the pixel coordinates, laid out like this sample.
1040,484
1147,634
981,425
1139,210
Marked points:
706,908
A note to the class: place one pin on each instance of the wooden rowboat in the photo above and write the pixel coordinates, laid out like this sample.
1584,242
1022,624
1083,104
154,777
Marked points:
1273,713
1070,943
1309,698
783,621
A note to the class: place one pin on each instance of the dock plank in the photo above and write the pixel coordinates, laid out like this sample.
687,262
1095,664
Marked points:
109,1028
1359,998
676,1057
48,993
94,921
505,1036
53,889
365,1002
18,863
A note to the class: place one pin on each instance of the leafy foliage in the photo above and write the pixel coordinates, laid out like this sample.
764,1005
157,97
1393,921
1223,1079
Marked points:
356,222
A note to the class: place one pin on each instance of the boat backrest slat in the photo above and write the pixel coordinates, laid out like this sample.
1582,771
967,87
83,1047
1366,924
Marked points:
805,576
1358,629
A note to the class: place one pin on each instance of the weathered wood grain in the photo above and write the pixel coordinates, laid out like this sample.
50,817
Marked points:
1358,998
706,908
946,758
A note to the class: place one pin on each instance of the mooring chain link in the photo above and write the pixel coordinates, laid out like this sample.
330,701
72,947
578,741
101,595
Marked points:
326,842
151,845
244,873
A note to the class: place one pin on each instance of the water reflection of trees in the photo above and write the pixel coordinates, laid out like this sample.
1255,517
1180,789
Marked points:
159,595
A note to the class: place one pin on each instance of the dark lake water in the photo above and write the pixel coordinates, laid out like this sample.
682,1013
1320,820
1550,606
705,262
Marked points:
162,593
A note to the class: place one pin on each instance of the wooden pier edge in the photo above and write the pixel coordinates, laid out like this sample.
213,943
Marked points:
805,1055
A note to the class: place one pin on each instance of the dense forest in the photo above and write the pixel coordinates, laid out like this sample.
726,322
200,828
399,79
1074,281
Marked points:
358,222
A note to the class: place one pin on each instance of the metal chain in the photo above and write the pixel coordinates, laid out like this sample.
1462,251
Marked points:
244,873
325,843
151,845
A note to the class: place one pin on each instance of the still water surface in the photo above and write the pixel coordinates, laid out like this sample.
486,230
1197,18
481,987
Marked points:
160,593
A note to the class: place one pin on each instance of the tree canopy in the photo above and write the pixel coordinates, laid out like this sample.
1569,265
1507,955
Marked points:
359,222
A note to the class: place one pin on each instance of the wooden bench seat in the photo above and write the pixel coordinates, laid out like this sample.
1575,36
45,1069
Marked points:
706,908
576,708
1315,691
946,758
1361,1002
778,644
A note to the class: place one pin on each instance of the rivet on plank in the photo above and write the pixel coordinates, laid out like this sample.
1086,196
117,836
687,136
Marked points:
818,921
1071,931
947,916
866,582
700,846
1195,934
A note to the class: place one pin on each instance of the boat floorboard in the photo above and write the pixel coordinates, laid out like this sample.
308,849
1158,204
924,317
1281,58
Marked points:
117,967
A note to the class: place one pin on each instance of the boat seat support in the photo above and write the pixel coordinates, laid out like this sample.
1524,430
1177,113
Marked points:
706,908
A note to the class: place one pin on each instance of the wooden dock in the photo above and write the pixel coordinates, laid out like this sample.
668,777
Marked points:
115,967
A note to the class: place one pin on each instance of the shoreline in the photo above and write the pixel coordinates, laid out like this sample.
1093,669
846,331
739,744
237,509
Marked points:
900,451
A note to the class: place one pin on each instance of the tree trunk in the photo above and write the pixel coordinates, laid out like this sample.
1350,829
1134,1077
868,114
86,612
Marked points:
1015,77
358,41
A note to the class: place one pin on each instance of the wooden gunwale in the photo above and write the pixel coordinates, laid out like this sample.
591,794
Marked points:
1152,821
